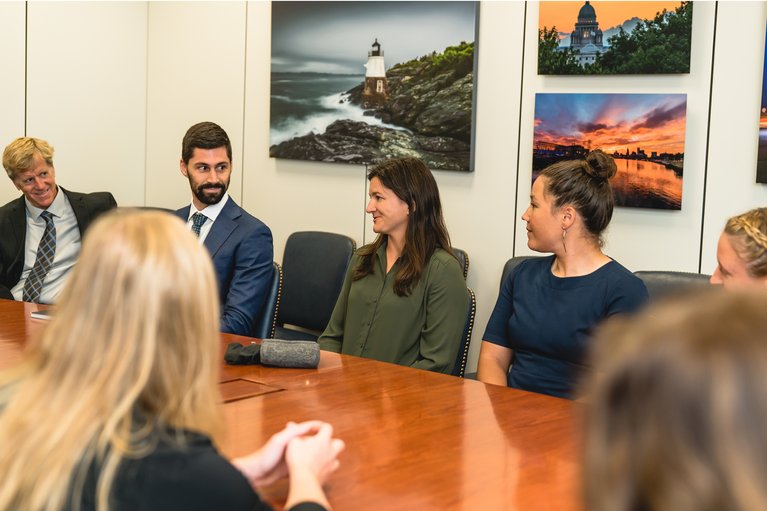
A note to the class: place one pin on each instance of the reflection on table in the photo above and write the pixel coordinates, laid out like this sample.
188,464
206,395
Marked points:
415,440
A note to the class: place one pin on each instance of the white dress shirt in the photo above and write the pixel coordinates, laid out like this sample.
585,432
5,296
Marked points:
211,213
67,247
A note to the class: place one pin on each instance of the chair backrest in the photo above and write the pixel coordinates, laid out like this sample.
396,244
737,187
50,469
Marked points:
314,266
265,324
667,283
463,260
512,263
463,353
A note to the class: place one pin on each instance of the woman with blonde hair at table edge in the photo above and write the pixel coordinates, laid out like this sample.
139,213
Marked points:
676,408
404,299
742,251
117,406
542,322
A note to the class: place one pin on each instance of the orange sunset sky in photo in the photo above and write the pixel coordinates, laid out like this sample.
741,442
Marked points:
563,15
612,122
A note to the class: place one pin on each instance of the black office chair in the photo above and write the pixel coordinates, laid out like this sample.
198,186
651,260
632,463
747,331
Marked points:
463,353
463,260
512,263
314,266
662,284
264,328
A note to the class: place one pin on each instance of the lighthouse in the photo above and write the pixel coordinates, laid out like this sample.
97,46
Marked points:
376,89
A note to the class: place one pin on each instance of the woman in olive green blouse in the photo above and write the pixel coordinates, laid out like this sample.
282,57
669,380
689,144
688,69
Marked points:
404,299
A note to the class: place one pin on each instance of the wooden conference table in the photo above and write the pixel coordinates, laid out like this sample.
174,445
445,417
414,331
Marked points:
414,440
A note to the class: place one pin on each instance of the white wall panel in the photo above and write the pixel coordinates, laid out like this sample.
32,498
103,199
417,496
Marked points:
290,195
638,238
479,206
736,99
196,72
86,92
12,32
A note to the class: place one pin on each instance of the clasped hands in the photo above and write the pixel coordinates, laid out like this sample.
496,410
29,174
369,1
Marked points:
300,449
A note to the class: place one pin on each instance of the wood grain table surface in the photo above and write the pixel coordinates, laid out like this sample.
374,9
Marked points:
415,440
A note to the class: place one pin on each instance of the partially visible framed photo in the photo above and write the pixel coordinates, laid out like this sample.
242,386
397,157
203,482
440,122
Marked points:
761,159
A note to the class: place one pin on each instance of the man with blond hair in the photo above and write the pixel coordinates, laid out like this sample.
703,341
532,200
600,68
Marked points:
42,229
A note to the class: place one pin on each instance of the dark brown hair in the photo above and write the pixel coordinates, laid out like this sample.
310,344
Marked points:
204,135
412,181
584,184
677,408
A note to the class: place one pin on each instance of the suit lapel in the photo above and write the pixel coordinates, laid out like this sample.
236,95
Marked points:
223,226
183,213
18,223
82,213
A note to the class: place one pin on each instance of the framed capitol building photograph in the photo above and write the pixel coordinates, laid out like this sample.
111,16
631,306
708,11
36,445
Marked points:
607,38
362,82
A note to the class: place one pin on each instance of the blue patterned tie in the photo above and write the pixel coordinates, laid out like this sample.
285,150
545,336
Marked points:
46,250
197,220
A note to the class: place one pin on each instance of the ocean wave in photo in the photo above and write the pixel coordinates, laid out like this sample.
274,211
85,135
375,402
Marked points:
303,103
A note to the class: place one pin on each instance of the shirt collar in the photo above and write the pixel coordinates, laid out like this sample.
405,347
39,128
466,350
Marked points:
381,253
57,207
211,211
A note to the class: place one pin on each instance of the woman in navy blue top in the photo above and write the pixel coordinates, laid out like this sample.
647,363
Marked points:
547,307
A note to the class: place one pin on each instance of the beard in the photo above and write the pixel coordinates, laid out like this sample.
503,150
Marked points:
209,199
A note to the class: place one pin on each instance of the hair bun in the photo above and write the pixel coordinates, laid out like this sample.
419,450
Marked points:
600,165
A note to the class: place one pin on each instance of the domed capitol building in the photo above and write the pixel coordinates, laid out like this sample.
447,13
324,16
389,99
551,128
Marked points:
587,37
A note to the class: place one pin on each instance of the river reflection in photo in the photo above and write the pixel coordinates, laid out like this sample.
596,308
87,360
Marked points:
639,184
646,184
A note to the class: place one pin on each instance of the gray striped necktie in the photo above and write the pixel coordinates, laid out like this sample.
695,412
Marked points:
46,250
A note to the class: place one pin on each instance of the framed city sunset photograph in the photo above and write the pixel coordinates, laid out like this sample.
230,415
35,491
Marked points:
363,82
645,133
609,37
761,158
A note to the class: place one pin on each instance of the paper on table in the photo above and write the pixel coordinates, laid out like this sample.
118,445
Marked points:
42,314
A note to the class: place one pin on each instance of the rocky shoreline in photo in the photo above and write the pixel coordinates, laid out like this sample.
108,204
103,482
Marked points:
358,142
430,99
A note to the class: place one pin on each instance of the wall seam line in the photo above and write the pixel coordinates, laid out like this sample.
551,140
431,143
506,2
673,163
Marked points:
244,111
519,136
708,143
146,112
26,64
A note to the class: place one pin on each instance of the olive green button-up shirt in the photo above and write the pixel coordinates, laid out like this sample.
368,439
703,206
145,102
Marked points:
422,329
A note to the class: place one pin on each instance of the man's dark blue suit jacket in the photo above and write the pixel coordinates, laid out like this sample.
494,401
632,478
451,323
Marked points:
242,252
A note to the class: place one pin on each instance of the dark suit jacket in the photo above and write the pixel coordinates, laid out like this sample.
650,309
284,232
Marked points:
241,248
13,226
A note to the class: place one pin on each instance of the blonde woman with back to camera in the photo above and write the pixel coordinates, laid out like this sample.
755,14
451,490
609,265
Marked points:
677,408
117,405
541,325
742,251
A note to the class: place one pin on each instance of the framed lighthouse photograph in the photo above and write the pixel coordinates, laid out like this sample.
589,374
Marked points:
362,82
608,38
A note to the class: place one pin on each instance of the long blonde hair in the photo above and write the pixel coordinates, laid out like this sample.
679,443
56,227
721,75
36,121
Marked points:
677,408
131,351
749,231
